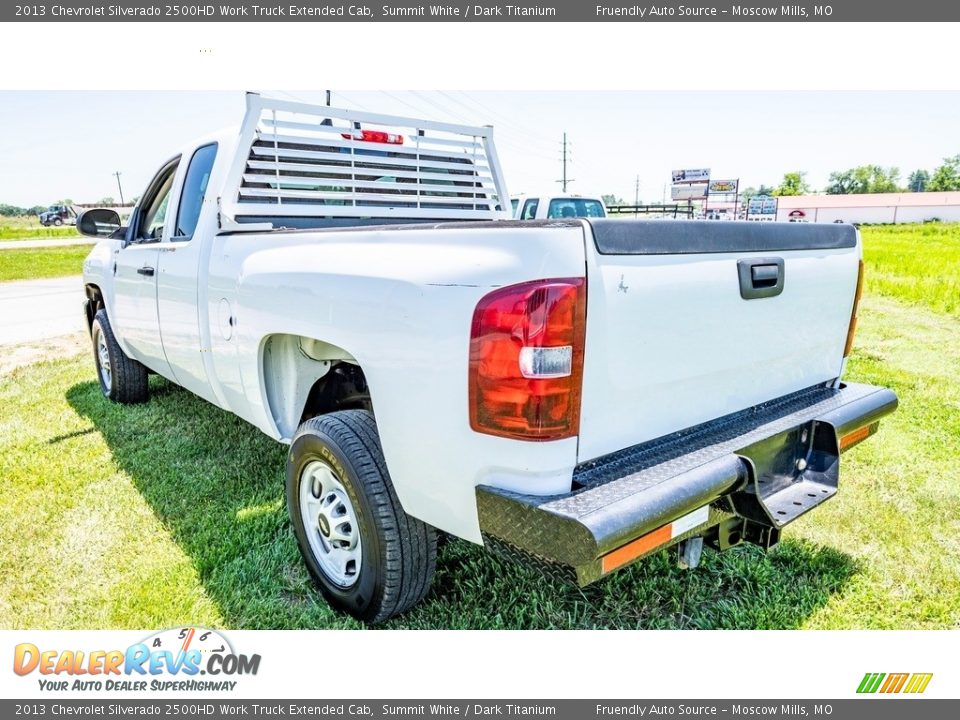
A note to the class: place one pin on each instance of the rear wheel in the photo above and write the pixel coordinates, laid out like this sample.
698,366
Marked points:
368,556
122,379
58,222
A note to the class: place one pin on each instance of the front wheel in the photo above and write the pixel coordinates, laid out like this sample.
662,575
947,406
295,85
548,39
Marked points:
58,222
369,558
122,379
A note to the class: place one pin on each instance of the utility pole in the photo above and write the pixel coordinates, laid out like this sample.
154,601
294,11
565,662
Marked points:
565,181
119,186
636,197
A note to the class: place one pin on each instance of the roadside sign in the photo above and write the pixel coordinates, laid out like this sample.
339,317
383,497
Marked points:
762,205
688,192
724,186
691,176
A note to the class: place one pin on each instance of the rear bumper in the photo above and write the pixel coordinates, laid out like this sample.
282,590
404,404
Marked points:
741,477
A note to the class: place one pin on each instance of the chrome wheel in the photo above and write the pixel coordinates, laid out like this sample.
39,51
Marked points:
330,523
103,361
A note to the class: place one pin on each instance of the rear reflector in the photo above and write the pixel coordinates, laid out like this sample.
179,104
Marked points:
852,329
851,439
526,360
661,536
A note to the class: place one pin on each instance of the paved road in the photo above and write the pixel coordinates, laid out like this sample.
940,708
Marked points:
39,309
50,242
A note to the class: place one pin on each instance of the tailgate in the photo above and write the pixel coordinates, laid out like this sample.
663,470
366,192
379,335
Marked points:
688,321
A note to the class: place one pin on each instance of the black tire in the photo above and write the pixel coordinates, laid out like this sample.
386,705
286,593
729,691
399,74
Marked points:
125,381
398,553
58,222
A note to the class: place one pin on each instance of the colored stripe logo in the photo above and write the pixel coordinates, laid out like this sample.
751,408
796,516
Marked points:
913,683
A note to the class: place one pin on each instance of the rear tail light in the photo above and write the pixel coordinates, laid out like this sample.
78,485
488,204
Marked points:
526,360
375,136
852,330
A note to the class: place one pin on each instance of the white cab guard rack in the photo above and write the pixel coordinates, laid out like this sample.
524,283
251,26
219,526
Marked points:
300,160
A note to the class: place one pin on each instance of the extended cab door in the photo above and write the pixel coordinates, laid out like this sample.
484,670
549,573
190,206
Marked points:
134,313
181,254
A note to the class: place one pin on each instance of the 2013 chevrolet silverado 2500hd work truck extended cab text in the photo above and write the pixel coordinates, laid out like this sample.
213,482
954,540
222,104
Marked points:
574,393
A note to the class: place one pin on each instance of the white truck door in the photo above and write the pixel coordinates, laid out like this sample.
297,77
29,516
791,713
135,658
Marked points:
178,272
134,315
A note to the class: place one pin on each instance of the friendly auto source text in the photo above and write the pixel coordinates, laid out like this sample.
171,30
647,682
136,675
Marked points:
734,11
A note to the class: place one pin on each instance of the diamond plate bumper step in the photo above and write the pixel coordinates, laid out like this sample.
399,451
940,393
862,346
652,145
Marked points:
766,465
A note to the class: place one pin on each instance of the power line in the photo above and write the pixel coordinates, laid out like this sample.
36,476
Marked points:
504,120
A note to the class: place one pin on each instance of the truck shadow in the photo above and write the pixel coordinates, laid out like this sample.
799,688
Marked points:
216,483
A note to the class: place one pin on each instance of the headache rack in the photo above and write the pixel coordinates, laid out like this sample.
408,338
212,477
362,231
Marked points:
296,160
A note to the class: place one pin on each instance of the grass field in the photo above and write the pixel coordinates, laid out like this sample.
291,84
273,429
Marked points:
29,228
172,512
918,264
34,263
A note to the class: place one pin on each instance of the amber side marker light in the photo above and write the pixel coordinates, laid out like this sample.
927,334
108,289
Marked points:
852,438
852,329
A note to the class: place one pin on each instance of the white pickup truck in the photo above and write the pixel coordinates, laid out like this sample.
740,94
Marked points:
574,393
562,206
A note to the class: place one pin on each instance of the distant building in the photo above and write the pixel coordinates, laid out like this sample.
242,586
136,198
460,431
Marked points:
871,208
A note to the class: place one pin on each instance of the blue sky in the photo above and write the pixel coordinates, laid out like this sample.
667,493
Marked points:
68,144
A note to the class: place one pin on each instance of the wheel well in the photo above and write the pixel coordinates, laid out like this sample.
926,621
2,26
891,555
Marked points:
305,377
343,388
94,303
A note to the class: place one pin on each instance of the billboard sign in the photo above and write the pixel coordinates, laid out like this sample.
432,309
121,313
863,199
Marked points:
691,176
723,187
762,205
688,192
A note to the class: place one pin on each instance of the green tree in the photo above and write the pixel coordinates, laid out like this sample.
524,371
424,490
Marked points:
106,201
609,200
793,183
751,191
864,179
842,182
947,176
918,181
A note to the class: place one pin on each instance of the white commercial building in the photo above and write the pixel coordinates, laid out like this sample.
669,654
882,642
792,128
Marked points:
871,208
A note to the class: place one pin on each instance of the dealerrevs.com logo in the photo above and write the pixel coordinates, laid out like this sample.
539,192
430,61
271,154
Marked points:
168,660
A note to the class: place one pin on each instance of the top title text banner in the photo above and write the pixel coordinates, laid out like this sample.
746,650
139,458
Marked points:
407,11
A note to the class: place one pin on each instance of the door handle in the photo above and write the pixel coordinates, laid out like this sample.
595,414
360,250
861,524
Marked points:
148,271
760,277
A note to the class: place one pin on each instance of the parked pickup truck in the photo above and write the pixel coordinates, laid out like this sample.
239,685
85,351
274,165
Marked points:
559,206
576,394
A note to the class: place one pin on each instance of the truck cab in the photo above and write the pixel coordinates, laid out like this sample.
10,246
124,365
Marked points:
58,215
560,206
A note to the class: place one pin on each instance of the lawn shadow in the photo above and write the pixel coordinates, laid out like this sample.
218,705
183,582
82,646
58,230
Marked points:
216,483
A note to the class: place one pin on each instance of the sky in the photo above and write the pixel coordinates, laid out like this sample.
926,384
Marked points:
56,145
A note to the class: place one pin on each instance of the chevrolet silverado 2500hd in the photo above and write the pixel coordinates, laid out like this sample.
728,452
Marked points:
574,393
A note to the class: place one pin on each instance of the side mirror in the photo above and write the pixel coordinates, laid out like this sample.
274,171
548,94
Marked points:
99,222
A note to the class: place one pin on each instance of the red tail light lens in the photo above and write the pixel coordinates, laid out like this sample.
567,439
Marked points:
526,360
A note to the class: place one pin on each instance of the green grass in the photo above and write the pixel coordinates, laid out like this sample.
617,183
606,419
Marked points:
172,512
32,263
12,228
918,264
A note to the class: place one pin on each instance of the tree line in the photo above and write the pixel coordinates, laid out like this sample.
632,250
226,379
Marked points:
871,179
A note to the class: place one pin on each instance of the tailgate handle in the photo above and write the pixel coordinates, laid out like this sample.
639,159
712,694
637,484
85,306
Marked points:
760,277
